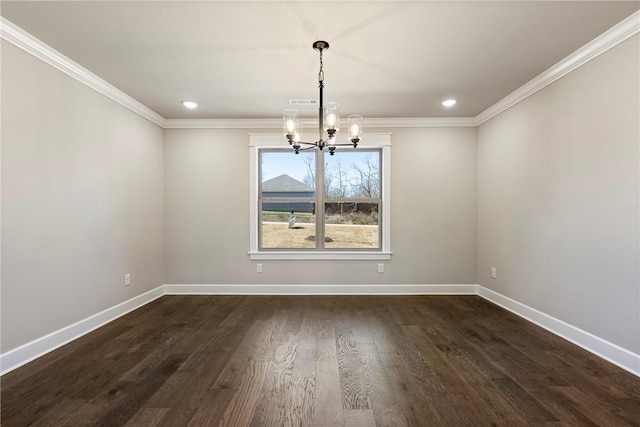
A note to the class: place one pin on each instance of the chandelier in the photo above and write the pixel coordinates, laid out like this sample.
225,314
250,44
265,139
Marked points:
328,120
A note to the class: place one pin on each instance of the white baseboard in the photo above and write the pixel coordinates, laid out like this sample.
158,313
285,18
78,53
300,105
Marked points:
24,354
245,289
613,353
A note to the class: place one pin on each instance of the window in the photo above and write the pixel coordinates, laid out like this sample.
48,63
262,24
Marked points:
316,206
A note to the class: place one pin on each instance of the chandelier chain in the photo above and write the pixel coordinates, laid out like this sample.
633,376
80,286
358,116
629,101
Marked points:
321,73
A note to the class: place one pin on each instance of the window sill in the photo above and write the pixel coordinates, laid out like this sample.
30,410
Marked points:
324,256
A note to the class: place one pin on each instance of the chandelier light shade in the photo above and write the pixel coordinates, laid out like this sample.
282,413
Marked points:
355,128
328,120
290,123
331,118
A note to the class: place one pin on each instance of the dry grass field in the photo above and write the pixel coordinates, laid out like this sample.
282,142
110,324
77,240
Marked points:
279,235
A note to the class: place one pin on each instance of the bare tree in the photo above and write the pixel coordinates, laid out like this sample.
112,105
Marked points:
367,183
328,179
310,179
339,180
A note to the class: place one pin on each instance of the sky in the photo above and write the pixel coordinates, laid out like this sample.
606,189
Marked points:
275,164
287,162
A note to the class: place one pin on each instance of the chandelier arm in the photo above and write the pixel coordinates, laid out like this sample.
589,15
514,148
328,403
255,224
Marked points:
343,145
311,147
307,143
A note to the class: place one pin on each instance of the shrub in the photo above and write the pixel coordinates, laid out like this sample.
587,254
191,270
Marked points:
353,218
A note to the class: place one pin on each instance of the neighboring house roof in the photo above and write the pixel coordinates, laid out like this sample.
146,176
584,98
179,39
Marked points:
285,184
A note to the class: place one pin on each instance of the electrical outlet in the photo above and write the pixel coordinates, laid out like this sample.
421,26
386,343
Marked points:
127,279
493,272
258,268
380,268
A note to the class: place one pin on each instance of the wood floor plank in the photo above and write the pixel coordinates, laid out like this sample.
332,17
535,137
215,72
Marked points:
359,418
206,367
328,399
352,380
591,408
560,406
170,391
245,398
304,364
424,374
212,407
300,402
320,361
290,406
531,373
279,376
59,415
232,372
281,350
387,411
147,417
415,409
531,409
138,394
360,327
466,399
528,375
457,361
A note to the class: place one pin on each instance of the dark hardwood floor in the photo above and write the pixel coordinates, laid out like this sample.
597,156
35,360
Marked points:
320,361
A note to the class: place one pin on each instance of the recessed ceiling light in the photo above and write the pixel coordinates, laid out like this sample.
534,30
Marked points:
190,104
449,102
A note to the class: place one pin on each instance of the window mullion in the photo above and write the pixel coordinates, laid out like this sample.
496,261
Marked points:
320,199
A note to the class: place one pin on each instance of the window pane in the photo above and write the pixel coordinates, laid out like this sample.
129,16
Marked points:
352,225
288,225
285,174
353,174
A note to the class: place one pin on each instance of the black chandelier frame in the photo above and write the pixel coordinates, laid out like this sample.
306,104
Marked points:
330,141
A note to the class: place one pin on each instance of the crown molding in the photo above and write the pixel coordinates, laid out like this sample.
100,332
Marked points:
420,122
406,122
617,34
25,41
607,40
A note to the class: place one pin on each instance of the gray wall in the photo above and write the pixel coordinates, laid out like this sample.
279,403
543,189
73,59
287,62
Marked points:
82,200
558,190
433,213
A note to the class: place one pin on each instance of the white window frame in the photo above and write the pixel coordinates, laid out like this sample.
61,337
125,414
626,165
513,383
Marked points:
259,141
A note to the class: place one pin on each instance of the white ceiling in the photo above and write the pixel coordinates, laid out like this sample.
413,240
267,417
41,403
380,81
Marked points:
387,58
